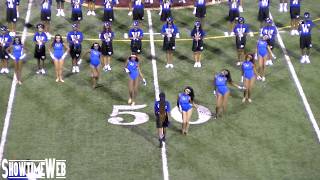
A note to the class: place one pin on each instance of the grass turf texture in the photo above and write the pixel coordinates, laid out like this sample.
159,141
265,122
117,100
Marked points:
268,139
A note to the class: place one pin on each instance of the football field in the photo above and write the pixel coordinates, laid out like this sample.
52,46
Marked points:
274,137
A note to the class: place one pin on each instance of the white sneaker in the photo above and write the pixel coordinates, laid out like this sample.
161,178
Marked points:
270,62
6,70
232,34
59,13
93,13
108,67
38,71
171,65
62,13
105,68
285,9
73,69
2,71
259,78
249,100
263,79
130,13
238,63
281,7
167,66
43,71
307,60
199,64
292,33
240,9
88,13
303,59
195,64
243,100
77,69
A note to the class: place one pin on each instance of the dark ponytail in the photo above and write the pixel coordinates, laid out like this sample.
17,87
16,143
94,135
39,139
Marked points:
228,76
162,107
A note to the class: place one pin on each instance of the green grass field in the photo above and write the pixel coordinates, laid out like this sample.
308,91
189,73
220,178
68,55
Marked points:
272,138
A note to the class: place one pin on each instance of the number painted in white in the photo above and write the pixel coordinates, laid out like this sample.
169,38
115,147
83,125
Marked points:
204,115
139,117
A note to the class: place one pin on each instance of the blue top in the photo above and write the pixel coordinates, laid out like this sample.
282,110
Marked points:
5,40
196,32
306,27
108,5
169,31
157,107
106,36
269,30
241,29
17,50
76,5
248,69
262,46
40,37
234,5
137,4
295,3
133,68
75,38
200,3
95,56
220,80
135,33
58,49
264,3
46,6
11,4
184,99
166,5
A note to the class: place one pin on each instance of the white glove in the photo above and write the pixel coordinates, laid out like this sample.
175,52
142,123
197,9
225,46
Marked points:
255,56
214,92
241,79
144,82
64,55
178,35
130,13
194,10
23,56
12,57
126,70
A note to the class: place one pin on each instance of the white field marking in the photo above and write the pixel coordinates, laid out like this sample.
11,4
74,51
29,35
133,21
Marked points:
298,85
204,115
12,91
156,89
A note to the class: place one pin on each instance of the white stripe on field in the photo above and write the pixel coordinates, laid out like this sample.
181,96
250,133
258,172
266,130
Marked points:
298,85
12,91
156,90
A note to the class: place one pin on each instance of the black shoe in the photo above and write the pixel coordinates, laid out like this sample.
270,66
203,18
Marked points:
164,138
160,144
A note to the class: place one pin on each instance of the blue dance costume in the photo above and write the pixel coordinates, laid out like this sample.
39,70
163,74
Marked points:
95,58
17,51
133,68
262,47
58,50
248,69
184,102
221,84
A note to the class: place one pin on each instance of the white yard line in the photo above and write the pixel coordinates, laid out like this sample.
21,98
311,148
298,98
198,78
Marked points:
12,92
298,85
156,91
